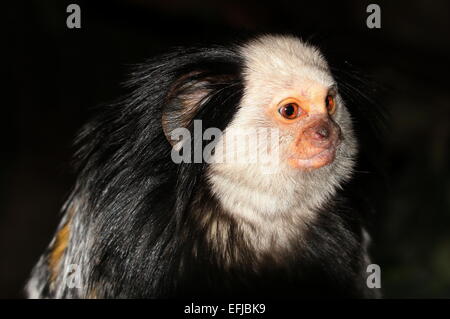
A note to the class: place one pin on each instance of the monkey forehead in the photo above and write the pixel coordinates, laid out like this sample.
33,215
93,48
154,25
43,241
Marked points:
274,63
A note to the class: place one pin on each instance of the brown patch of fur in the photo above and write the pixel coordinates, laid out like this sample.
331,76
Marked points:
55,256
61,242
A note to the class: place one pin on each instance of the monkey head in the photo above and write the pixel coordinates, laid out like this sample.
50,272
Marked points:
288,87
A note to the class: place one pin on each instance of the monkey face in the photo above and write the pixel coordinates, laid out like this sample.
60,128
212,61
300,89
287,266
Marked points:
288,87
307,117
310,119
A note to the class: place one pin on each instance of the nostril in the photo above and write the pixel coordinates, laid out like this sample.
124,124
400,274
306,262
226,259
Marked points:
323,132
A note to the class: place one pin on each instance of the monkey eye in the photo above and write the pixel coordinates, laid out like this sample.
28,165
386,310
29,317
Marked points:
290,111
330,104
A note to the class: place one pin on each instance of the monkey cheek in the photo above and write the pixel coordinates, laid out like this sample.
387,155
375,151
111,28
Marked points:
319,160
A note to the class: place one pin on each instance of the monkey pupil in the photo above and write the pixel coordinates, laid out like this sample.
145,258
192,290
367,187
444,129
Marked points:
329,102
289,110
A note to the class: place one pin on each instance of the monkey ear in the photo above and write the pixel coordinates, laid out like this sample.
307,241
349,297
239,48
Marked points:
183,101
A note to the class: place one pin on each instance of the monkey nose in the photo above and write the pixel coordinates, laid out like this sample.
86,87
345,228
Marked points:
322,132
319,131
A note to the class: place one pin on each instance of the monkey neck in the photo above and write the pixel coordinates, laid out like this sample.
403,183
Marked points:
267,198
268,219
260,245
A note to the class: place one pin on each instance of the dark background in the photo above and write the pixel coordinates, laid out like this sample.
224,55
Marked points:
55,76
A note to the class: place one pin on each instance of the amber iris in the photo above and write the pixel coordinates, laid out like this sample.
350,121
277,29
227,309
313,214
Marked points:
330,104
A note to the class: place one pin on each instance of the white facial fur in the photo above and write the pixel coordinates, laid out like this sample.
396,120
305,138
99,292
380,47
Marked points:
279,202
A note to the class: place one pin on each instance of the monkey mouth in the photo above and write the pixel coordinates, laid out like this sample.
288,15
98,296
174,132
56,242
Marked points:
315,161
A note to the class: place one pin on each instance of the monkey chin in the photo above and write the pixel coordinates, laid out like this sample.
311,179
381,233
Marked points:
323,158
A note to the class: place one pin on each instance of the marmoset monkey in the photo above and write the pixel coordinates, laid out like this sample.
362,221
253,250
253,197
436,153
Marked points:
139,224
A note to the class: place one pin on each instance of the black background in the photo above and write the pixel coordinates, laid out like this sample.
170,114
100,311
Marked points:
56,75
